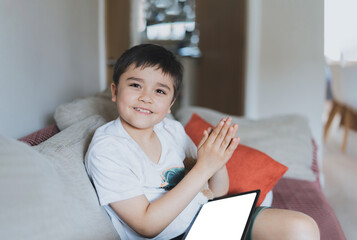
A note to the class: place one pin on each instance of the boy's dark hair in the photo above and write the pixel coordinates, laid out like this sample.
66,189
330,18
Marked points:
150,55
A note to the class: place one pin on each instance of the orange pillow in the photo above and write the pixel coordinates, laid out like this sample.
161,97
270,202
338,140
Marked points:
248,169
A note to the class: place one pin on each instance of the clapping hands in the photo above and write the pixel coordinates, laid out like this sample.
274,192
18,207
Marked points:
217,146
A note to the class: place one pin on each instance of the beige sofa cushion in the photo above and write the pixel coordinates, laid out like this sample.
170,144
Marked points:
70,113
45,191
286,138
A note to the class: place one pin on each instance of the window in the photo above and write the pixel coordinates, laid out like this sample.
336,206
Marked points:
340,30
171,23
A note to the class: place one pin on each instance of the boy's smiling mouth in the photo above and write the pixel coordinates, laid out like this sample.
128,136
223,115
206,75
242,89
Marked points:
142,110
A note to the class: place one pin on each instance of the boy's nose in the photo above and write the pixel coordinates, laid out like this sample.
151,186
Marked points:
145,98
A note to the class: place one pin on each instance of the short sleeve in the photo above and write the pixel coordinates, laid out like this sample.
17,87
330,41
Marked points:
190,148
178,133
112,176
188,145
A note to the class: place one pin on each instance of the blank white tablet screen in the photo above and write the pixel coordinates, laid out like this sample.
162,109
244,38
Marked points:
223,219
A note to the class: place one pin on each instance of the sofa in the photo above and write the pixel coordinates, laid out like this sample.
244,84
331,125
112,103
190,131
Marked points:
46,193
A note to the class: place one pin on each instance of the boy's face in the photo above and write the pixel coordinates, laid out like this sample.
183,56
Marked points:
143,96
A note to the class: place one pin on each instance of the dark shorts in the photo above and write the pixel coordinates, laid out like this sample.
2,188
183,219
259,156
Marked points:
255,215
249,233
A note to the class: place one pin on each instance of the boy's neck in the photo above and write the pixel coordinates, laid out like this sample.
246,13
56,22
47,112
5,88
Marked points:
137,134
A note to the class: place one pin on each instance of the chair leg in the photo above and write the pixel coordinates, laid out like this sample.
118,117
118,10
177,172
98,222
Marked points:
347,123
335,108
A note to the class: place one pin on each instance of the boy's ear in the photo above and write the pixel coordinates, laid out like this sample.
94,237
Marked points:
173,101
113,88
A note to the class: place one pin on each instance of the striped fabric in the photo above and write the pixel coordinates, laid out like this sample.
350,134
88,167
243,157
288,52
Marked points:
307,197
41,135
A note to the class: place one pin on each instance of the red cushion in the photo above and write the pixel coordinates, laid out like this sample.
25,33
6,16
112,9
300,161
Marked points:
248,168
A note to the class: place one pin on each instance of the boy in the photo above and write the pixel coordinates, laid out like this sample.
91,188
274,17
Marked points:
136,161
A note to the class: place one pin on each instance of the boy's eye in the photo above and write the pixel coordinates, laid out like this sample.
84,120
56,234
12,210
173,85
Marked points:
160,91
134,85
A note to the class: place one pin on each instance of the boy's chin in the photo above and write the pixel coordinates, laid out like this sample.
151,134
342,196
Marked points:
141,125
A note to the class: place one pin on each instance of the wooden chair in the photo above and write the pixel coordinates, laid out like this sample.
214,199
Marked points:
344,91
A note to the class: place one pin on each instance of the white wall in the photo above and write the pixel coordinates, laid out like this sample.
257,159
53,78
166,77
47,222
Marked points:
285,60
49,54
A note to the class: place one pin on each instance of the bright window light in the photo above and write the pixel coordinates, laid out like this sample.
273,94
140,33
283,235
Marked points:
340,30
169,31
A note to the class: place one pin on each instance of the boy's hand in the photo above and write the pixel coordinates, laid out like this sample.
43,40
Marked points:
217,146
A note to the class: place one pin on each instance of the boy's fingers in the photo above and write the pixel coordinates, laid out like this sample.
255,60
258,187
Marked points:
204,137
224,131
216,131
228,138
232,146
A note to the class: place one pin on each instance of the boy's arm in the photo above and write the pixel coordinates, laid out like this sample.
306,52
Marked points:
149,219
219,183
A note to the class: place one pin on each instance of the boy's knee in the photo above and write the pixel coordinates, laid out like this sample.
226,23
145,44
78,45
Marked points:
302,226
285,224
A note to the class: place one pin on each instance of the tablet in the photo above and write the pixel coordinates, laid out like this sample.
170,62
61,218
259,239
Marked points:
224,218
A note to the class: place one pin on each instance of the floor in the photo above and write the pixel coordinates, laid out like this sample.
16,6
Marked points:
340,172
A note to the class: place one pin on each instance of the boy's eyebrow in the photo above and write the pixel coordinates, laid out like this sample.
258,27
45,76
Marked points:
164,86
135,78
142,80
